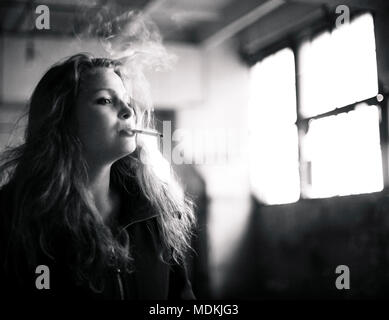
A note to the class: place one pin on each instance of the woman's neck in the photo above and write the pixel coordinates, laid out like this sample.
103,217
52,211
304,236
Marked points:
105,199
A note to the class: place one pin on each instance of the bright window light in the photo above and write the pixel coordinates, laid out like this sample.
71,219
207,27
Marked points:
338,68
274,175
344,154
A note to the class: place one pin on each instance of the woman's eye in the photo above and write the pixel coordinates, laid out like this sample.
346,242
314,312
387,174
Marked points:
104,101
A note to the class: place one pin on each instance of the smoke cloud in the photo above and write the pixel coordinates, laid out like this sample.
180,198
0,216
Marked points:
131,37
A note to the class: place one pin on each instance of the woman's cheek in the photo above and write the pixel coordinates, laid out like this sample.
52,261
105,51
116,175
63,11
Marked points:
106,122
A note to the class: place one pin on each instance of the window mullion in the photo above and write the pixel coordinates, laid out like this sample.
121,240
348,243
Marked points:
300,130
384,138
337,111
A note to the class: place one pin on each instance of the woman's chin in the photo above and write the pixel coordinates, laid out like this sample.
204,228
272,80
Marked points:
128,148
122,151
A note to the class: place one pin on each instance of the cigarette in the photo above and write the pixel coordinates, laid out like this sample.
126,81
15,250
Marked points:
151,133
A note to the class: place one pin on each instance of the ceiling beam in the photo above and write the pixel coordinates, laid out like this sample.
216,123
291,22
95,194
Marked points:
18,22
280,24
241,22
356,4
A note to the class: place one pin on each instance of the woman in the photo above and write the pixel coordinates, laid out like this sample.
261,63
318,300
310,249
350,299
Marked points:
81,196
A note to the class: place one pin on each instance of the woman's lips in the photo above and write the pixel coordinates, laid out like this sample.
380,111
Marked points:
126,133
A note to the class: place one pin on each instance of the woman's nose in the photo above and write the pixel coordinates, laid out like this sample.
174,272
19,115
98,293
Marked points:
127,111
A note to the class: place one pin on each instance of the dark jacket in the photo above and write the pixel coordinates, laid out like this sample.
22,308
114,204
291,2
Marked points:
152,278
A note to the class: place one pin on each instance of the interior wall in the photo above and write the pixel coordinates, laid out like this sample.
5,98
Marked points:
225,83
292,251
24,61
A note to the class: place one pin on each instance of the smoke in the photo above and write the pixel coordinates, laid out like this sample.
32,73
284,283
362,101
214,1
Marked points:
131,37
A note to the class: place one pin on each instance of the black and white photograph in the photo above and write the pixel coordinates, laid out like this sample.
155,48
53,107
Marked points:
211,152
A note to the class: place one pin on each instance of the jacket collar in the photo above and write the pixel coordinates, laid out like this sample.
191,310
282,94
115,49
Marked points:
135,207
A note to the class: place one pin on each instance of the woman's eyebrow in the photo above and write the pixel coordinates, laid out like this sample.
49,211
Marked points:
113,92
105,89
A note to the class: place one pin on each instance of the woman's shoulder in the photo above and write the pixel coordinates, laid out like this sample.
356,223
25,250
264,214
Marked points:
3,190
6,189
6,195
5,222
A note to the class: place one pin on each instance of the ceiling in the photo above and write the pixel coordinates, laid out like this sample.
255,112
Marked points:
192,21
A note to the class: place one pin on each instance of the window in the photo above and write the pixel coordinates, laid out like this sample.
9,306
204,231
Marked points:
340,151
338,118
274,175
343,153
338,68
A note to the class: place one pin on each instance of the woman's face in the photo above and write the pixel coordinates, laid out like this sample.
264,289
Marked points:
104,116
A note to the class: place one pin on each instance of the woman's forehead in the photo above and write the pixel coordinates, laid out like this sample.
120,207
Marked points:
104,78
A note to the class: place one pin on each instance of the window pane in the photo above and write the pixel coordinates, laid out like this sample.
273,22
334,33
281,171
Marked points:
274,172
343,154
338,68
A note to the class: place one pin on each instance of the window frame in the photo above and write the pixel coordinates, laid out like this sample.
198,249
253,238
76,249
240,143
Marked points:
293,42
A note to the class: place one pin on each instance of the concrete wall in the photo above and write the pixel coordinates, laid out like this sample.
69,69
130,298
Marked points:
20,74
292,251
224,109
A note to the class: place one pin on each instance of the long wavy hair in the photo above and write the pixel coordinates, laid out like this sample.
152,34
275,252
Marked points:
48,175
